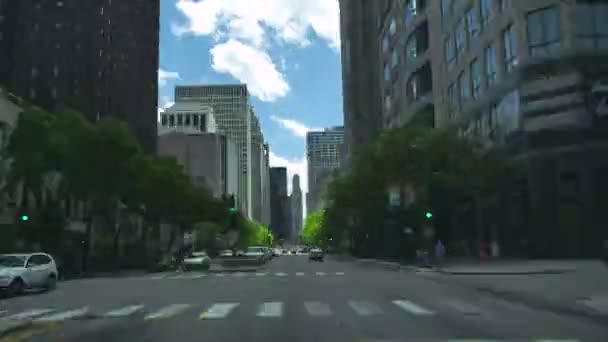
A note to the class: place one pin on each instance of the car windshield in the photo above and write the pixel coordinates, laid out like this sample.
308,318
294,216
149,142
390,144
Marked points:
12,260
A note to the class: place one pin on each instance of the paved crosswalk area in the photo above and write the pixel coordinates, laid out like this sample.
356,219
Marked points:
200,275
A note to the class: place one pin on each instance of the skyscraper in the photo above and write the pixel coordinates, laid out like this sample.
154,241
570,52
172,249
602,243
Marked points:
99,57
235,118
279,203
323,154
295,200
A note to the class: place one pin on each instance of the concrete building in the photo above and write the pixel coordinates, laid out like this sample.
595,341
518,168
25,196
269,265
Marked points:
323,154
99,57
234,116
266,216
187,131
359,29
257,168
295,200
528,79
280,221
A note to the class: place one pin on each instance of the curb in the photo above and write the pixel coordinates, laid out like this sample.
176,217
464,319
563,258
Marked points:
555,271
8,327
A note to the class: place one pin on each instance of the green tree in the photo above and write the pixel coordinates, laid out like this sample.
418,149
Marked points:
312,232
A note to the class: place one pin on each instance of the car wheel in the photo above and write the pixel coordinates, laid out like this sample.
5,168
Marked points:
51,282
16,287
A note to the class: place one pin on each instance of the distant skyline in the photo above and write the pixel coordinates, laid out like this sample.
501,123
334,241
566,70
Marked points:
286,51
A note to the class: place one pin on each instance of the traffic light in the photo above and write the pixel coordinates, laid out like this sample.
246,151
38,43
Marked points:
429,215
232,210
25,218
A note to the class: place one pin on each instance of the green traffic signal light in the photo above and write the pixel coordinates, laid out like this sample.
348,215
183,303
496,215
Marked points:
24,218
232,210
429,214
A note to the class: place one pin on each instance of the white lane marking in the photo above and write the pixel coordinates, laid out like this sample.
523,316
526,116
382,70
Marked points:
168,311
280,274
299,274
272,309
160,276
364,308
239,274
317,309
321,273
260,274
218,310
126,311
62,316
339,273
413,308
465,308
29,314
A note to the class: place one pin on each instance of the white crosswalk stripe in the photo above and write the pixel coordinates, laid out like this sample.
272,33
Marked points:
168,311
260,274
340,273
317,309
321,273
272,309
299,274
126,311
29,314
62,316
280,274
219,310
364,308
413,308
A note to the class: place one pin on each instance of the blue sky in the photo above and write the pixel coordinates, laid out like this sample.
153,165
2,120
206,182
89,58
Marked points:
285,50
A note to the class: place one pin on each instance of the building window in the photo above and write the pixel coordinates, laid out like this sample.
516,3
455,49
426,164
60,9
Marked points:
171,120
411,51
451,100
180,119
163,120
394,58
472,23
387,72
450,55
592,25
32,93
195,120
460,38
463,86
446,10
411,11
475,79
387,102
55,70
54,93
59,3
510,48
384,43
187,120
490,54
392,29
544,31
485,11
34,72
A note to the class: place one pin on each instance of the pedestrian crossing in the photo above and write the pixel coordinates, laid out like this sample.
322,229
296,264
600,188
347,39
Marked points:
201,275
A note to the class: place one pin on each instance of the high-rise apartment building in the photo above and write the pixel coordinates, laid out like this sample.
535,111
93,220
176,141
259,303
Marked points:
280,221
528,79
295,200
323,155
359,27
235,118
99,57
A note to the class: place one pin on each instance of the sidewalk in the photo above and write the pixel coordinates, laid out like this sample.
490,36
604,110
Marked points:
507,267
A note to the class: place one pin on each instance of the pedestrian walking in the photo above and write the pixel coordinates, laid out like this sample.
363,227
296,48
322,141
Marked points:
439,253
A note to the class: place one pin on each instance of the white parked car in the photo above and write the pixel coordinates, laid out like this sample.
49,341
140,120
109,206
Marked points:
19,272
197,260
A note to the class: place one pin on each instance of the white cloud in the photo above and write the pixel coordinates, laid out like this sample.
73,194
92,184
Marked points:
297,128
251,66
294,166
289,20
164,75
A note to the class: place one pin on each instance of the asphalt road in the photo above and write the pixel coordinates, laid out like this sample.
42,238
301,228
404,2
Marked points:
293,300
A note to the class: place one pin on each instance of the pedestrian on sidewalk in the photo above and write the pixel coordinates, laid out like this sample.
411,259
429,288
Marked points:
439,253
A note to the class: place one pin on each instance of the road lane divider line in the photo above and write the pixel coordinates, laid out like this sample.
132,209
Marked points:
280,274
299,274
339,273
271,309
321,274
198,276
364,308
260,274
62,316
126,311
317,309
29,314
413,308
218,311
168,311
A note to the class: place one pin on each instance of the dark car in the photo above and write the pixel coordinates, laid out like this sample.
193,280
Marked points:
316,254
